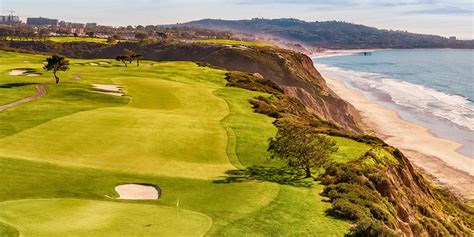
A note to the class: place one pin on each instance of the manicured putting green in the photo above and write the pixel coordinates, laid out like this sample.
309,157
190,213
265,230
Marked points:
75,217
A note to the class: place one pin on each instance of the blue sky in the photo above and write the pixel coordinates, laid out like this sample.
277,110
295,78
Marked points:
441,17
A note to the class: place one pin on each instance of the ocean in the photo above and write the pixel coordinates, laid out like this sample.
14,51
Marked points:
430,87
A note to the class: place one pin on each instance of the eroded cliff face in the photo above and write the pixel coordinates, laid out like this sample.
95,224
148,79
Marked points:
294,71
421,209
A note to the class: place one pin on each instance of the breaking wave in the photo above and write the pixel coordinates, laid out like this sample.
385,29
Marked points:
457,109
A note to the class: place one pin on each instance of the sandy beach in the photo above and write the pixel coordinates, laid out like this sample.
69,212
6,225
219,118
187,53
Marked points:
435,156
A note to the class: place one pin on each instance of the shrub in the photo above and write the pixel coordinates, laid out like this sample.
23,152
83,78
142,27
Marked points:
253,83
368,228
263,106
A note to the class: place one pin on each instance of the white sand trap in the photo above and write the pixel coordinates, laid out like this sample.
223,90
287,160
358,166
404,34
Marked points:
137,192
108,87
17,72
33,75
93,64
103,63
115,90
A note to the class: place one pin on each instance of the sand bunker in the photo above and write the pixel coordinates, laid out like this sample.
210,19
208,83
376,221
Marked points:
104,63
33,75
115,90
106,87
137,192
17,72
23,72
93,64
76,77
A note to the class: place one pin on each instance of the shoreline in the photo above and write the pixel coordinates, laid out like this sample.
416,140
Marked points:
343,52
436,156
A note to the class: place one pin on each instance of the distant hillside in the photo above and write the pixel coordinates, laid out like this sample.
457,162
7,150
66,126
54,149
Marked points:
332,34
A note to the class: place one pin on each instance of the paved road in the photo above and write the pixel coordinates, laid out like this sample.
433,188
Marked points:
40,91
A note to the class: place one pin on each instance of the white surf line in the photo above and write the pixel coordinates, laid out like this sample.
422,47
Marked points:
40,91
137,192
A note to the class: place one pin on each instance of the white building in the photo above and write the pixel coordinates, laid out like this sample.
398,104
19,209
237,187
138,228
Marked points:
10,19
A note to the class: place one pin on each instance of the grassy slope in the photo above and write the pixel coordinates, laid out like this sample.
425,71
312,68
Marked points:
348,149
166,97
77,39
101,218
14,92
233,42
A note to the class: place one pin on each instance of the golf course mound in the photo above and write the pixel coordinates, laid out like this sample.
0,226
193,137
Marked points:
137,192
75,217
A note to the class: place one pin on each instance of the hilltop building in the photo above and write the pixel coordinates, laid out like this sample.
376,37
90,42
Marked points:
40,21
10,19
91,25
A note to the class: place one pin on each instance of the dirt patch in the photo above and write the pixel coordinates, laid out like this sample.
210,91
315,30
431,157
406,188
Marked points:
137,192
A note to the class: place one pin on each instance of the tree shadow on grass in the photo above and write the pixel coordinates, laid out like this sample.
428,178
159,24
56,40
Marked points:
11,85
285,175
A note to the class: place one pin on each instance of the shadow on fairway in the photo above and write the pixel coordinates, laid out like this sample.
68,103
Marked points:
287,176
11,85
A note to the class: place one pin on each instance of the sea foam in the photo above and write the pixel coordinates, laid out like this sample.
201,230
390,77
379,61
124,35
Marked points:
430,102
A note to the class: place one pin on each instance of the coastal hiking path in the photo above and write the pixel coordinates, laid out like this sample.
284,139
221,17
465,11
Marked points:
40,91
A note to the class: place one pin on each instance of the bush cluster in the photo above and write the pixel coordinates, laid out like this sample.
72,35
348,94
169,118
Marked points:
352,190
253,83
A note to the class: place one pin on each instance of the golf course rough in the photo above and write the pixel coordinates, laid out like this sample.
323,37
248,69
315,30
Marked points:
178,128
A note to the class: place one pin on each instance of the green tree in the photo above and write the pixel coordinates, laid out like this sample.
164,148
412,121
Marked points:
56,63
133,56
111,40
124,59
301,147
141,36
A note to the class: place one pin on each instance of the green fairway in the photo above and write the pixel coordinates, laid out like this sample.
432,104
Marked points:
233,42
14,91
72,217
178,127
77,39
